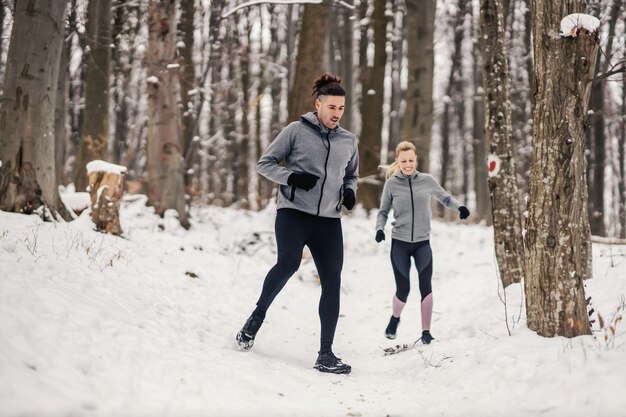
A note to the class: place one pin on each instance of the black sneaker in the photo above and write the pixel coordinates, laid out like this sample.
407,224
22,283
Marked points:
392,327
245,337
328,362
426,337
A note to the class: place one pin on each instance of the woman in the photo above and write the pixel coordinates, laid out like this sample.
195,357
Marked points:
408,192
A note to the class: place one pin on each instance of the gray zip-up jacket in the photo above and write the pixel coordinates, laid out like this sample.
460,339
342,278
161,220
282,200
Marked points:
309,146
409,196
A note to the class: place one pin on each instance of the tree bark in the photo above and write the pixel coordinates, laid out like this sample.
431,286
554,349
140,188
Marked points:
309,59
372,80
502,169
27,110
418,117
165,161
95,128
557,238
597,137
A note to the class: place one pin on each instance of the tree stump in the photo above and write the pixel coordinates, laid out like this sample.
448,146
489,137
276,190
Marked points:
106,186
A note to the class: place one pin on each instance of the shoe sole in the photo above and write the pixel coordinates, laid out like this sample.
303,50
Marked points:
332,371
390,336
243,346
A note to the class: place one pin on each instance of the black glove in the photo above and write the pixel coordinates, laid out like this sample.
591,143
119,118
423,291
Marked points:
463,212
349,199
303,180
380,236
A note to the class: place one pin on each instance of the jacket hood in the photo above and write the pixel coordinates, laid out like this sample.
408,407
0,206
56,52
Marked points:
401,176
311,120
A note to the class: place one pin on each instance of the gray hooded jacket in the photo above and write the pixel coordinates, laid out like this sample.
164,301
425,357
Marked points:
309,146
409,196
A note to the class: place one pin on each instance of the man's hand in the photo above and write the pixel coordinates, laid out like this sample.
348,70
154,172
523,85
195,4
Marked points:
302,180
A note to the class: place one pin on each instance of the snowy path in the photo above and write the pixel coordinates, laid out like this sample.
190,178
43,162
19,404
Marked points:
92,325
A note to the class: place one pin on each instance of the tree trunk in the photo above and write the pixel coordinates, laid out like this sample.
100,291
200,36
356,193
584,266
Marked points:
106,189
165,161
479,144
27,110
309,59
557,237
621,146
418,117
597,137
372,80
95,129
502,170
60,113
188,85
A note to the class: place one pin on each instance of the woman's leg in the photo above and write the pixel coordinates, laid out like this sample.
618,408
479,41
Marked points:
423,257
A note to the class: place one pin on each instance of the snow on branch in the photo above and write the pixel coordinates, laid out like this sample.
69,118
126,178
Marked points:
98,165
573,23
255,2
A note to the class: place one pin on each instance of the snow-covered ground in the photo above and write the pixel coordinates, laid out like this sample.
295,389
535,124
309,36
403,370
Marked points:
144,325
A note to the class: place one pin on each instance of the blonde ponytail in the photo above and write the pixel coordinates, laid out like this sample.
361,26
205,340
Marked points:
392,169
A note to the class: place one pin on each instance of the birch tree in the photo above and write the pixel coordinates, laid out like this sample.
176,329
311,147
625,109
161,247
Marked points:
165,166
27,110
557,230
502,170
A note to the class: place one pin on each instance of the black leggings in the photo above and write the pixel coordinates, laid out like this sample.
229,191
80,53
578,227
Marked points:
324,238
401,254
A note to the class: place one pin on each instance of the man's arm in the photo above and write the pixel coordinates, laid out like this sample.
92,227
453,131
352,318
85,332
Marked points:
269,163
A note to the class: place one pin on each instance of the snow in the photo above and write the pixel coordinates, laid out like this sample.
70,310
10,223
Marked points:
104,166
144,325
571,23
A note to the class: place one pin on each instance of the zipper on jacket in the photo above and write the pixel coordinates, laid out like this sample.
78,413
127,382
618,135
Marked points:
412,209
319,203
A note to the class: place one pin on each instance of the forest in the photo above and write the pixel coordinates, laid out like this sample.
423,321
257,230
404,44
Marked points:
517,107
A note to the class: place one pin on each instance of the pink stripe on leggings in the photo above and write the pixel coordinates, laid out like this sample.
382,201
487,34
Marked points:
397,306
427,311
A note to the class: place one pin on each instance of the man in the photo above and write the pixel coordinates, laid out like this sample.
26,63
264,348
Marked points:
320,174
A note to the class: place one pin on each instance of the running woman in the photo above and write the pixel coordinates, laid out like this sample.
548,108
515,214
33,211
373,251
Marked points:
408,192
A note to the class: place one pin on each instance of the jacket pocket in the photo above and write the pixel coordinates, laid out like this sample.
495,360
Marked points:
289,191
292,195
338,206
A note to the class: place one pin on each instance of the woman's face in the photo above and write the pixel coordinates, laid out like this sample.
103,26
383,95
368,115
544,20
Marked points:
407,162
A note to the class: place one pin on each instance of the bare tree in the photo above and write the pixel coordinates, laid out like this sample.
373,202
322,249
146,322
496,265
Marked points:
372,80
557,237
502,170
165,160
418,118
27,110
310,56
95,128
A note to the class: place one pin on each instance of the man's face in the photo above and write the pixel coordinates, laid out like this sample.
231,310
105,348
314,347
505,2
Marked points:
330,109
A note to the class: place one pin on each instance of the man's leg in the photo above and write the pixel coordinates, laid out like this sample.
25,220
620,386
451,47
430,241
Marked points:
290,238
327,250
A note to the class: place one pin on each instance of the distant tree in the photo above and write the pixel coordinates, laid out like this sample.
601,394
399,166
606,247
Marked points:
310,57
95,128
418,117
503,177
27,110
165,163
372,81
557,230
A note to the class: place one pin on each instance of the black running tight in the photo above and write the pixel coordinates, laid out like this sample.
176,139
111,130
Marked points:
401,254
324,238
